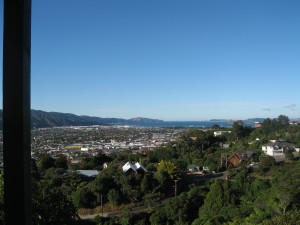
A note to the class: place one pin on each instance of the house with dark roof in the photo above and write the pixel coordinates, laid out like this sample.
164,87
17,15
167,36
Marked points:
240,157
277,148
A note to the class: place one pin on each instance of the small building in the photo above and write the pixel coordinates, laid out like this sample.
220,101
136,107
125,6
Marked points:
240,157
193,138
84,149
193,168
294,123
88,173
222,145
258,124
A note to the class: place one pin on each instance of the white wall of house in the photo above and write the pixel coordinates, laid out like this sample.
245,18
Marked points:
272,150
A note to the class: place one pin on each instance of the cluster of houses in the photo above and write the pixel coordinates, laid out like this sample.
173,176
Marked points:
106,140
273,148
151,142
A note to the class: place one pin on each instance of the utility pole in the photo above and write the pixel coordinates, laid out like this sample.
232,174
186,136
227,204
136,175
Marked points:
101,206
175,188
224,158
226,161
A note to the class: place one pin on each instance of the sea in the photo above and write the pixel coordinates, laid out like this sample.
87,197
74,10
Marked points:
183,124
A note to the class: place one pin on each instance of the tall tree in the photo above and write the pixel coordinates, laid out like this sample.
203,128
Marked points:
219,203
113,197
283,120
168,167
44,162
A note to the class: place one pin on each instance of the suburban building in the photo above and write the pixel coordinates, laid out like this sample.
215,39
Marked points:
193,168
88,173
258,124
240,157
276,148
131,168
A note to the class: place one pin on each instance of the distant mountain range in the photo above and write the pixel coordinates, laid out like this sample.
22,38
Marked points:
41,119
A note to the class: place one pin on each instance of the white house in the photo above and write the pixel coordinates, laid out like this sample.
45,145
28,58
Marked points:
134,168
276,148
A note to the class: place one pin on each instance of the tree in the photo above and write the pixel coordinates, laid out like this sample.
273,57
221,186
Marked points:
146,184
53,207
176,210
61,162
98,160
126,217
289,218
158,217
289,155
103,183
82,197
283,120
44,162
113,197
219,202
152,200
134,195
266,161
202,138
237,130
168,167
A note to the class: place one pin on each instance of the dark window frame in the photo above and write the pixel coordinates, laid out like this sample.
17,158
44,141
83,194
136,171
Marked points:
16,112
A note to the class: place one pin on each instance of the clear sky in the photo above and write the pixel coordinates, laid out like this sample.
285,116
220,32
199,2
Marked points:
166,59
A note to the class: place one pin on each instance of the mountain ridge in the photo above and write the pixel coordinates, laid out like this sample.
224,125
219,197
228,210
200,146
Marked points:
43,119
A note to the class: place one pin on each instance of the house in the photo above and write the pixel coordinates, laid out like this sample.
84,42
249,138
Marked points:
276,148
258,124
240,157
193,138
205,169
224,145
294,123
193,168
130,168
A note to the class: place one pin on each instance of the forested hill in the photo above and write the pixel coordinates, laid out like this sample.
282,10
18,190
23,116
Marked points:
55,119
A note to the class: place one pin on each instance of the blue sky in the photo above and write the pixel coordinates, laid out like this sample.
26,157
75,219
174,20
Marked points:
166,59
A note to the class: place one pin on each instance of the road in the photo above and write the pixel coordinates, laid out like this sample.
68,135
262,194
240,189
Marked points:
135,210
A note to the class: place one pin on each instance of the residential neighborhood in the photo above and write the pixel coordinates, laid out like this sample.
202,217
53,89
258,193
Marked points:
76,142
104,170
